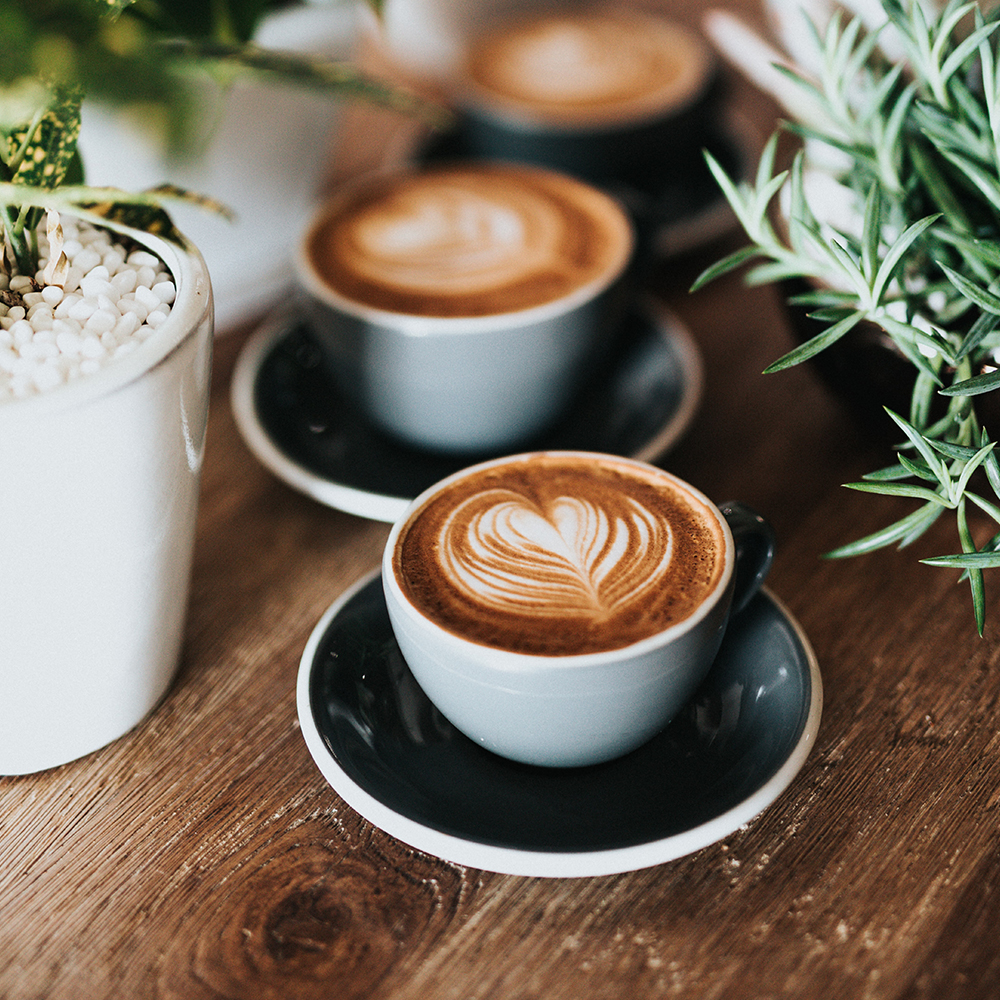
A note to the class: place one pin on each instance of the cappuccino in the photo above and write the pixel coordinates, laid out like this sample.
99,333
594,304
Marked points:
587,69
561,554
467,241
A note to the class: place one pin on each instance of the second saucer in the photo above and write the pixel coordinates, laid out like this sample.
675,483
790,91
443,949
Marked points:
307,433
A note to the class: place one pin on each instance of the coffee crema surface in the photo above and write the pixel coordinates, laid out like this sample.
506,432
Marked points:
588,68
556,555
469,240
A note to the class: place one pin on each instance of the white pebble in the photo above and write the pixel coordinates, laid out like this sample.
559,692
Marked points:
127,325
69,343
146,276
52,294
73,276
124,281
147,297
82,310
8,357
22,331
21,283
15,313
66,326
129,304
156,318
165,291
94,285
61,311
126,348
101,321
35,351
47,376
86,260
91,347
143,258
113,260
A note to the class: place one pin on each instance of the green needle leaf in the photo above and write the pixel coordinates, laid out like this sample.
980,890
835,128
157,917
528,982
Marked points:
818,343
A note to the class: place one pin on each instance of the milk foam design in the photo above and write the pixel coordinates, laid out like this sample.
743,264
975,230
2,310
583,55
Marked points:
587,67
455,237
505,553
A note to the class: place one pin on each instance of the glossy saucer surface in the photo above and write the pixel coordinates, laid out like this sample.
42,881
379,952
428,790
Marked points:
301,428
389,753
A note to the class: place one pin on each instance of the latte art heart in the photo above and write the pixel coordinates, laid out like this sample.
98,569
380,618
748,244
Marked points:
558,554
468,240
571,558
454,238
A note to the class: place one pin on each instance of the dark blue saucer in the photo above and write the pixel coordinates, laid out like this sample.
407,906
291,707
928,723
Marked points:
390,754
300,427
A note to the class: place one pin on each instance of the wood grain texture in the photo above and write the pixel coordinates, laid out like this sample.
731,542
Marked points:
203,857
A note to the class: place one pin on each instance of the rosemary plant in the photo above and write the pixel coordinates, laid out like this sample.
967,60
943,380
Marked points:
141,52
913,146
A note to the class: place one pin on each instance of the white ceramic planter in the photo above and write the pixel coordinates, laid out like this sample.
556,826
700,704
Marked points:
267,152
98,497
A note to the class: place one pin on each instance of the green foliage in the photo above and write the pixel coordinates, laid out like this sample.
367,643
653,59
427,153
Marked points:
916,148
54,52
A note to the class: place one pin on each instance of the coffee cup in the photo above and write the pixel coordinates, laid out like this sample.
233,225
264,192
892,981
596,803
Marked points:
559,608
617,97
461,305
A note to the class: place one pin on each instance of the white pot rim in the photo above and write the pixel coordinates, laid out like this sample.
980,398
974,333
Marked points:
193,300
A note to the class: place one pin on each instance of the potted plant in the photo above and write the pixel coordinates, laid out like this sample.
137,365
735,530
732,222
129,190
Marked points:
105,347
889,217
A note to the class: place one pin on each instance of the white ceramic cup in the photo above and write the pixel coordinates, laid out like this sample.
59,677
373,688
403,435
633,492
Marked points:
564,706
452,339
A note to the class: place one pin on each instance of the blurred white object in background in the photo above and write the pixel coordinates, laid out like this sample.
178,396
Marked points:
266,157
426,38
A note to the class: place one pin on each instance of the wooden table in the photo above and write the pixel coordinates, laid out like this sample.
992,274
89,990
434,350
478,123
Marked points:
203,855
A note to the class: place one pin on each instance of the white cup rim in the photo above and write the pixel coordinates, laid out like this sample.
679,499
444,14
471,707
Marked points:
422,324
516,662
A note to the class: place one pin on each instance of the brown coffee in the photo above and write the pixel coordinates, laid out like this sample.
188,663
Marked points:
587,68
560,554
468,240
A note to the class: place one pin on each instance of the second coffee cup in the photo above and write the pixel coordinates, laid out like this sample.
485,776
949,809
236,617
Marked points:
460,306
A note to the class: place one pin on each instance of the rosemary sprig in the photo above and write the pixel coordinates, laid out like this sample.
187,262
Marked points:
916,148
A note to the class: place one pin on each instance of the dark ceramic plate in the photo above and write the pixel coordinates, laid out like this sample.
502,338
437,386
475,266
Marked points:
388,753
302,429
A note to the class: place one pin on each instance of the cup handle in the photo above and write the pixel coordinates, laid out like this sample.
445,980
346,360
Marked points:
755,541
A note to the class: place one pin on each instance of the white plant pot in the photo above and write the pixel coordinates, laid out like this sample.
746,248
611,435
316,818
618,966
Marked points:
98,498
267,152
